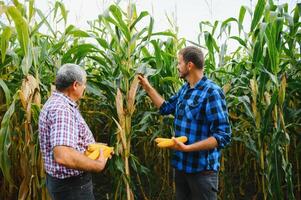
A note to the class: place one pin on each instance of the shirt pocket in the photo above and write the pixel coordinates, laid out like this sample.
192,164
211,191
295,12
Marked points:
193,108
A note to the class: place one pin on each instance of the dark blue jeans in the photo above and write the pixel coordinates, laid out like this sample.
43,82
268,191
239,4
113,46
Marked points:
73,188
196,186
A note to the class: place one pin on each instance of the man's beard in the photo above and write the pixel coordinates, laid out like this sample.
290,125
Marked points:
183,75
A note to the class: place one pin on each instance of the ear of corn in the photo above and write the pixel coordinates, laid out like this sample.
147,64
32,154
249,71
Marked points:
94,155
166,142
93,147
158,140
93,151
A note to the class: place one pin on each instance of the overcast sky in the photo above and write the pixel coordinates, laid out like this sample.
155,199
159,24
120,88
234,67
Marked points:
187,13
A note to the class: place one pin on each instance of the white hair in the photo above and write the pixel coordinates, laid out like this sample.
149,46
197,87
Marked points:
68,74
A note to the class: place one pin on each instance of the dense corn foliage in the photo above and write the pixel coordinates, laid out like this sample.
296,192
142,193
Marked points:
261,79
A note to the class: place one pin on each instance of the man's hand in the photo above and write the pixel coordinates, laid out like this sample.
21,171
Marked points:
207,144
179,146
144,82
102,160
152,93
70,158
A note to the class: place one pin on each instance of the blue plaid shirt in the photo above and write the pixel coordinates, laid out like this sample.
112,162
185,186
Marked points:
200,112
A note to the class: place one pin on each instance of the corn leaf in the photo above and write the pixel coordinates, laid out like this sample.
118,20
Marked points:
6,91
5,135
21,27
258,13
6,34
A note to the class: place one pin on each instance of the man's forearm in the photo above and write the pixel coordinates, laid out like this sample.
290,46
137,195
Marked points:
73,159
156,98
207,144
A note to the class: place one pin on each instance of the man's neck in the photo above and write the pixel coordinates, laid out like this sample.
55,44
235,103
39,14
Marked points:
194,78
69,94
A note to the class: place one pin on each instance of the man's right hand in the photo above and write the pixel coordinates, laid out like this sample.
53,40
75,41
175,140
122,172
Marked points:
152,93
71,158
102,161
144,82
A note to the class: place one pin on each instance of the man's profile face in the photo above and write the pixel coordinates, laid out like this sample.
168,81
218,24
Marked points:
182,67
80,88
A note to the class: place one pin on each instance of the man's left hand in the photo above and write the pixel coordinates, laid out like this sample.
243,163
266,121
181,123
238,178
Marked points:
179,146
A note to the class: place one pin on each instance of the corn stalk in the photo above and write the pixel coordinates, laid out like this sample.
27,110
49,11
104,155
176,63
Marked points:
21,56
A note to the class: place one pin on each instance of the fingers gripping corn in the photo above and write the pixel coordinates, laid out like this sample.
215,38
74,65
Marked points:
93,150
166,142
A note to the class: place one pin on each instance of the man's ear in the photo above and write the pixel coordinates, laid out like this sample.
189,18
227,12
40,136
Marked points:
190,65
74,85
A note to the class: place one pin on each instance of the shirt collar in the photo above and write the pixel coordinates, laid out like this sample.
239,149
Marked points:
65,98
199,84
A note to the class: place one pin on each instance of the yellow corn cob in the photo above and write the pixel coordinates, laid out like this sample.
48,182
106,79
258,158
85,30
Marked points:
94,155
107,152
170,142
93,150
181,139
158,140
95,146
87,153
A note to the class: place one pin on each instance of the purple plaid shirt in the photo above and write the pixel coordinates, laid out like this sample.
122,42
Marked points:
61,124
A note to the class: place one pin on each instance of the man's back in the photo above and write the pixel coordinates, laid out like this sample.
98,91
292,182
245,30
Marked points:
60,123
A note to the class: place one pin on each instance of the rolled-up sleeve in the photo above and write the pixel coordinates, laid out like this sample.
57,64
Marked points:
217,116
169,107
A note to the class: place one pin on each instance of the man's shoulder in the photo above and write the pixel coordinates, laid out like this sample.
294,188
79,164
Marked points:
212,87
183,87
54,104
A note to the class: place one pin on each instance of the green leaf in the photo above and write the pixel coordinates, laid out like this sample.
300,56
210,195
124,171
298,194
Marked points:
272,76
225,24
5,135
31,9
238,39
43,21
6,34
78,52
246,102
2,8
102,43
150,28
59,5
6,91
214,27
270,36
241,17
170,80
259,9
297,12
92,88
165,33
27,61
21,26
79,33
211,45
141,16
116,12
99,60
257,52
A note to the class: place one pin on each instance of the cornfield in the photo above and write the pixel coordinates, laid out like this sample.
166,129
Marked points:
261,78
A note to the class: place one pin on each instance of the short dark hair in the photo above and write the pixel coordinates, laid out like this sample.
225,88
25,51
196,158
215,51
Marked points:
194,55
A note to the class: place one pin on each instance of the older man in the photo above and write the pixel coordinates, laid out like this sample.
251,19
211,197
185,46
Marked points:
64,136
